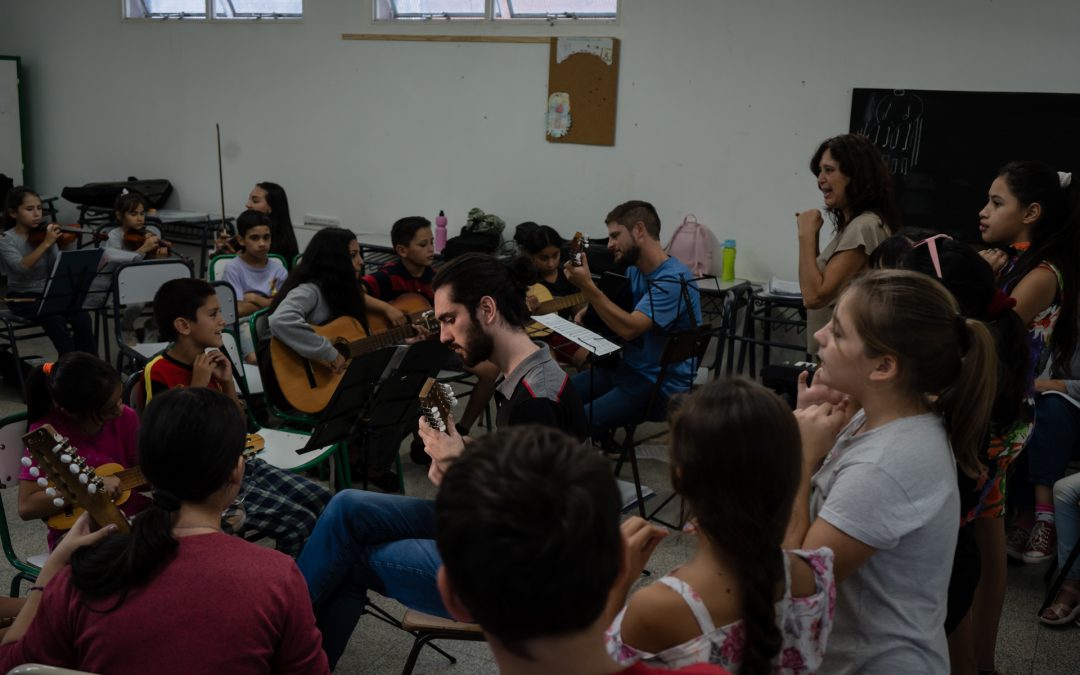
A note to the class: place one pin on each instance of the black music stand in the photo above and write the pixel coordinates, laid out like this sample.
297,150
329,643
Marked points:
68,284
380,389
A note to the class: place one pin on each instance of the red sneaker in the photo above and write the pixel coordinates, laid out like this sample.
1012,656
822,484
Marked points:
1042,544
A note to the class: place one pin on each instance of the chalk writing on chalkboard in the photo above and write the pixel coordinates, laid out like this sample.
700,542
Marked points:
895,125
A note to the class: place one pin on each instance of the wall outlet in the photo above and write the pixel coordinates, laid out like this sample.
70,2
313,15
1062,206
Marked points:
322,221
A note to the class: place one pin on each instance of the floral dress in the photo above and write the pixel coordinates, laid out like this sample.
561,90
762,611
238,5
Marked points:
1007,443
805,624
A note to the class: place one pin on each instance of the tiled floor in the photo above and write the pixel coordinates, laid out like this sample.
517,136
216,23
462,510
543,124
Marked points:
1023,645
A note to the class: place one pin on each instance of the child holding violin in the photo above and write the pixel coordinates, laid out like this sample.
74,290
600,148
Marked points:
132,233
28,253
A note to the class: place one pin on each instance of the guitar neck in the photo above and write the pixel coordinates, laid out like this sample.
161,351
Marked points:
561,303
378,341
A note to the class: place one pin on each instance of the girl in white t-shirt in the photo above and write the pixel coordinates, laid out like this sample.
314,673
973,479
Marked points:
741,601
879,476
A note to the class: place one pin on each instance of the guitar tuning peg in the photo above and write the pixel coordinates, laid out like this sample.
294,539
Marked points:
43,482
74,468
57,448
83,478
26,461
65,459
92,488
58,502
50,491
34,472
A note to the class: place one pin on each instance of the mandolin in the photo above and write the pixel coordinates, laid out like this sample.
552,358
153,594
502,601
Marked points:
308,386
130,479
437,402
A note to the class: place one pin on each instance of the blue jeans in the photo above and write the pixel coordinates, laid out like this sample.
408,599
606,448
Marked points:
369,541
1067,520
614,398
1054,441
56,325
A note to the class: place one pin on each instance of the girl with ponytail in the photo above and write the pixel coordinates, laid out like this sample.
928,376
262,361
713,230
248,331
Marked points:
175,574
879,484
741,602
79,396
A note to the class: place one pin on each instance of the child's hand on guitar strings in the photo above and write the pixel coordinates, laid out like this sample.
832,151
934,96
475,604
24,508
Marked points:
395,316
337,366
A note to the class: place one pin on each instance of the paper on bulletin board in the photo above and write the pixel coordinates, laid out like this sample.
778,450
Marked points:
583,79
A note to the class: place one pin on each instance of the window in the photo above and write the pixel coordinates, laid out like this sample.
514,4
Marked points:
225,10
496,10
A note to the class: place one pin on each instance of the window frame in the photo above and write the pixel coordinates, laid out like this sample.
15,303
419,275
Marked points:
209,17
489,18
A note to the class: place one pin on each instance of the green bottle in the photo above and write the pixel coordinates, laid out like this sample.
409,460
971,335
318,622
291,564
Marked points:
727,269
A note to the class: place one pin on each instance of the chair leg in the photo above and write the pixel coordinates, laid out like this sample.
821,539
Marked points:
15,357
418,645
637,481
1059,580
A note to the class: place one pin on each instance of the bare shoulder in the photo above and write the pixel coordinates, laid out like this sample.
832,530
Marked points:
657,618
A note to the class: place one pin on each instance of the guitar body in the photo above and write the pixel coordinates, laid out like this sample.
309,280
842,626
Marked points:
66,518
542,294
307,386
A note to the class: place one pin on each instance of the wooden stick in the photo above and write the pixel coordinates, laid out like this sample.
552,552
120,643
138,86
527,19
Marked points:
220,177
400,37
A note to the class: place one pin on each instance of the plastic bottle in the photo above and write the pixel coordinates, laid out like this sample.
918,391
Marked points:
440,232
727,269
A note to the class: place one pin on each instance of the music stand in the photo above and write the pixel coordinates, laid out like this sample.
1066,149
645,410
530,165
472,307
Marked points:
380,389
68,284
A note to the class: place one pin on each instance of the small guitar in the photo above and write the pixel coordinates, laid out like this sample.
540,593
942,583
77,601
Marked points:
130,479
308,387
68,479
437,402
550,304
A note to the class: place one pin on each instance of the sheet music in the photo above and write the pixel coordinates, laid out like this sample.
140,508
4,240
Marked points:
577,334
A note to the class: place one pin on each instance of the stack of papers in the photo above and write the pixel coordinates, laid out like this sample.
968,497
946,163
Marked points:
787,288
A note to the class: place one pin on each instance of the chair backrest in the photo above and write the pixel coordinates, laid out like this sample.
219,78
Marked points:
217,265
232,350
227,297
135,391
140,281
12,429
681,346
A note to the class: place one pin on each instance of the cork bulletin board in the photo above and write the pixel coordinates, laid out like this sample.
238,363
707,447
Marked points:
583,83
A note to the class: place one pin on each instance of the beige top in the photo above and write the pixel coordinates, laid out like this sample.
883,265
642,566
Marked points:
865,230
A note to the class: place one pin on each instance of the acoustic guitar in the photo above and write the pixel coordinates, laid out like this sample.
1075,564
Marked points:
550,304
308,386
130,479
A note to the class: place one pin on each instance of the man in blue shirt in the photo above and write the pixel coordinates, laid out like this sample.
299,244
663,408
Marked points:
666,301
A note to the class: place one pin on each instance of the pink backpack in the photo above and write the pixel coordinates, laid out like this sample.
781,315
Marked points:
692,245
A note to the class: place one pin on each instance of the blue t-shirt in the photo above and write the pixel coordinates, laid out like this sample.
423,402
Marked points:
658,295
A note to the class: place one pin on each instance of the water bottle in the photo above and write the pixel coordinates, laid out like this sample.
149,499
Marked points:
727,269
440,232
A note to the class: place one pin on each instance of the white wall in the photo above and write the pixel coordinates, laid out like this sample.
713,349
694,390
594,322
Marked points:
721,104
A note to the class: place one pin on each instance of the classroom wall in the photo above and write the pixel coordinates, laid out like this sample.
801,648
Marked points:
721,104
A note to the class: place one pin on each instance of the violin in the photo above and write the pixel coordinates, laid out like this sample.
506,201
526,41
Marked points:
136,239
70,234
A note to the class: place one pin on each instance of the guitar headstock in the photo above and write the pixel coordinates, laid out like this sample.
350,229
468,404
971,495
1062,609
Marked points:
427,320
576,248
67,478
437,401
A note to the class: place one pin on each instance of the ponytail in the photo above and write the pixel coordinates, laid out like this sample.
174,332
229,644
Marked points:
474,276
966,403
189,443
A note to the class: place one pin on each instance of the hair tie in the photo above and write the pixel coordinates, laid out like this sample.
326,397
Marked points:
1000,302
47,367
1065,178
962,333
163,499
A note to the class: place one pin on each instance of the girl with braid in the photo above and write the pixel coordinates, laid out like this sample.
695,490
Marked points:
742,601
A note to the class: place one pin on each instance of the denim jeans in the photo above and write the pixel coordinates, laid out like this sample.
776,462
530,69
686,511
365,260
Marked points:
1054,441
56,325
613,398
369,541
1067,520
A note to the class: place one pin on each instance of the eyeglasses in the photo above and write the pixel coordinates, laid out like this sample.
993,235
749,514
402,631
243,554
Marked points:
931,243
